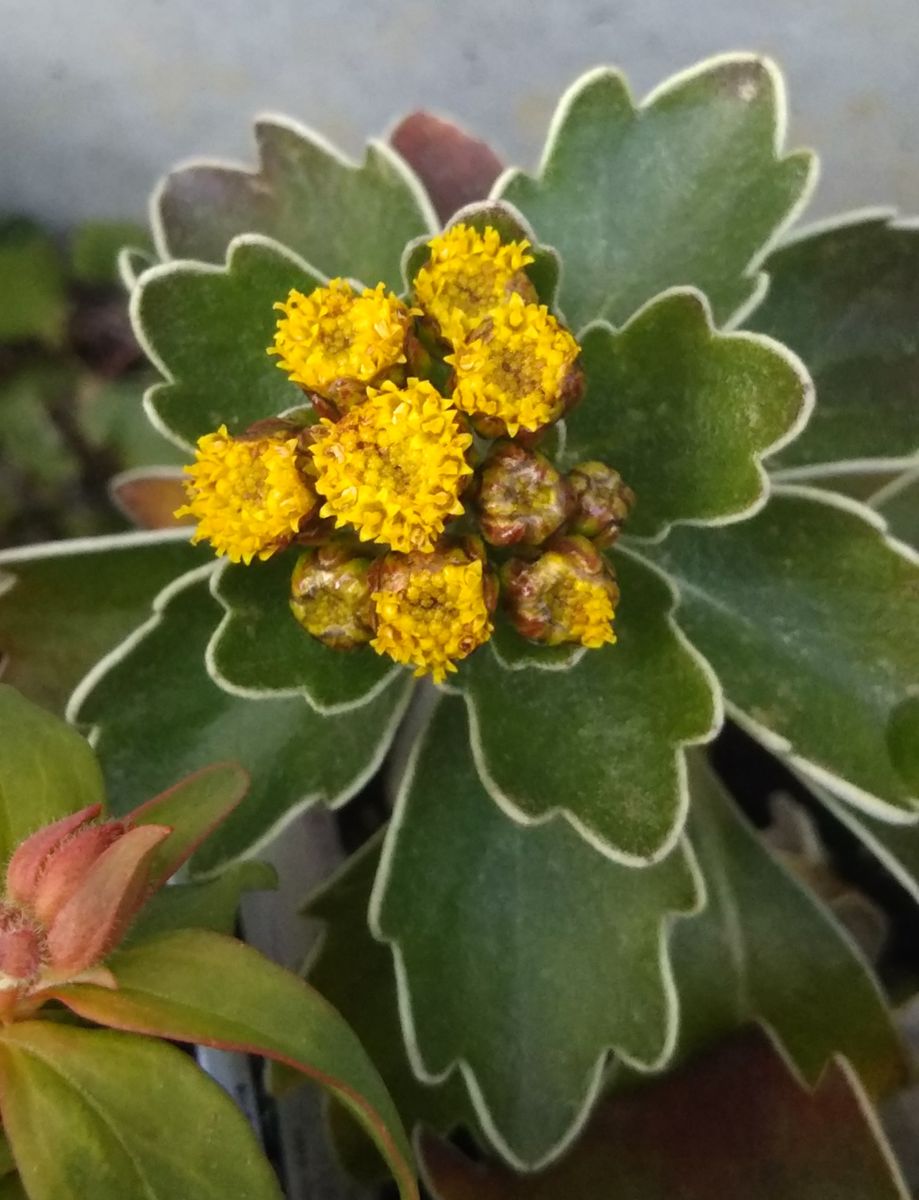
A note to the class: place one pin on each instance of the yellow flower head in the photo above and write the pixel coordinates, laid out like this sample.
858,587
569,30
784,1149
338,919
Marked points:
468,274
333,335
518,370
394,466
248,496
567,595
431,611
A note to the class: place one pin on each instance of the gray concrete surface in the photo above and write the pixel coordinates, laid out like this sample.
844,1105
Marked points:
97,97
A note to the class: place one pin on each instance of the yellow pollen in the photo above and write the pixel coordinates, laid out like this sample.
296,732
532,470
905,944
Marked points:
468,274
334,334
584,609
438,617
394,466
515,371
249,497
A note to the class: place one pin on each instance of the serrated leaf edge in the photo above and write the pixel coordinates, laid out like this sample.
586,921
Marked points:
253,693
184,266
86,685
318,140
758,279
776,744
595,1080
758,457
517,814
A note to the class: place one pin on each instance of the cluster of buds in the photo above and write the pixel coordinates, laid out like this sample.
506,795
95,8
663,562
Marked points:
72,889
424,418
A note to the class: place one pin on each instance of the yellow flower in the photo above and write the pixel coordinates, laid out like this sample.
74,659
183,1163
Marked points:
248,495
394,466
568,594
468,274
333,336
519,371
431,610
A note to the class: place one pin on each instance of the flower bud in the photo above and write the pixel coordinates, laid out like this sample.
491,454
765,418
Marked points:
330,596
602,502
21,948
521,497
568,594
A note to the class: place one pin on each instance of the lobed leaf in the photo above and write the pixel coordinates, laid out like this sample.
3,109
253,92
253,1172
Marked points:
766,950
686,189
343,219
103,1114
47,770
158,714
734,1123
809,617
686,413
63,605
207,329
555,954
601,743
845,296
199,987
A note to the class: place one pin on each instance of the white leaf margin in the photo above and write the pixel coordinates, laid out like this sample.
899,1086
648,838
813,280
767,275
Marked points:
759,279
188,267
308,800
594,1082
511,806
377,150
714,335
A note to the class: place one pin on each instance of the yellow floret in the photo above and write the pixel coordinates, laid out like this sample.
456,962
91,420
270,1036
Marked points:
248,496
439,616
585,609
334,334
468,274
516,371
394,466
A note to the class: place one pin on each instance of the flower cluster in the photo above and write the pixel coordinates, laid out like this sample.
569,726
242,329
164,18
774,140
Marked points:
412,473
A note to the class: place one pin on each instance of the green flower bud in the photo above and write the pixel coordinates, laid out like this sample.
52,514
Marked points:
567,594
602,502
330,596
521,497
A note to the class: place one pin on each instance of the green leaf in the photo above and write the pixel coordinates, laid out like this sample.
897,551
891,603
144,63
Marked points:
193,808
554,957
735,1123
95,248
208,329
343,219
199,987
159,715
898,504
601,743
846,298
102,1114
211,904
357,975
259,648
63,605
766,949
686,189
685,413
33,299
810,618
47,770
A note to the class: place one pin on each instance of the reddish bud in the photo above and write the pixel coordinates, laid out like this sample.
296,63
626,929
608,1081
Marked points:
20,948
31,856
521,497
97,914
602,500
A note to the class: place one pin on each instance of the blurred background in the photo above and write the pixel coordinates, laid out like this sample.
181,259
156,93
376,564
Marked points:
99,97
